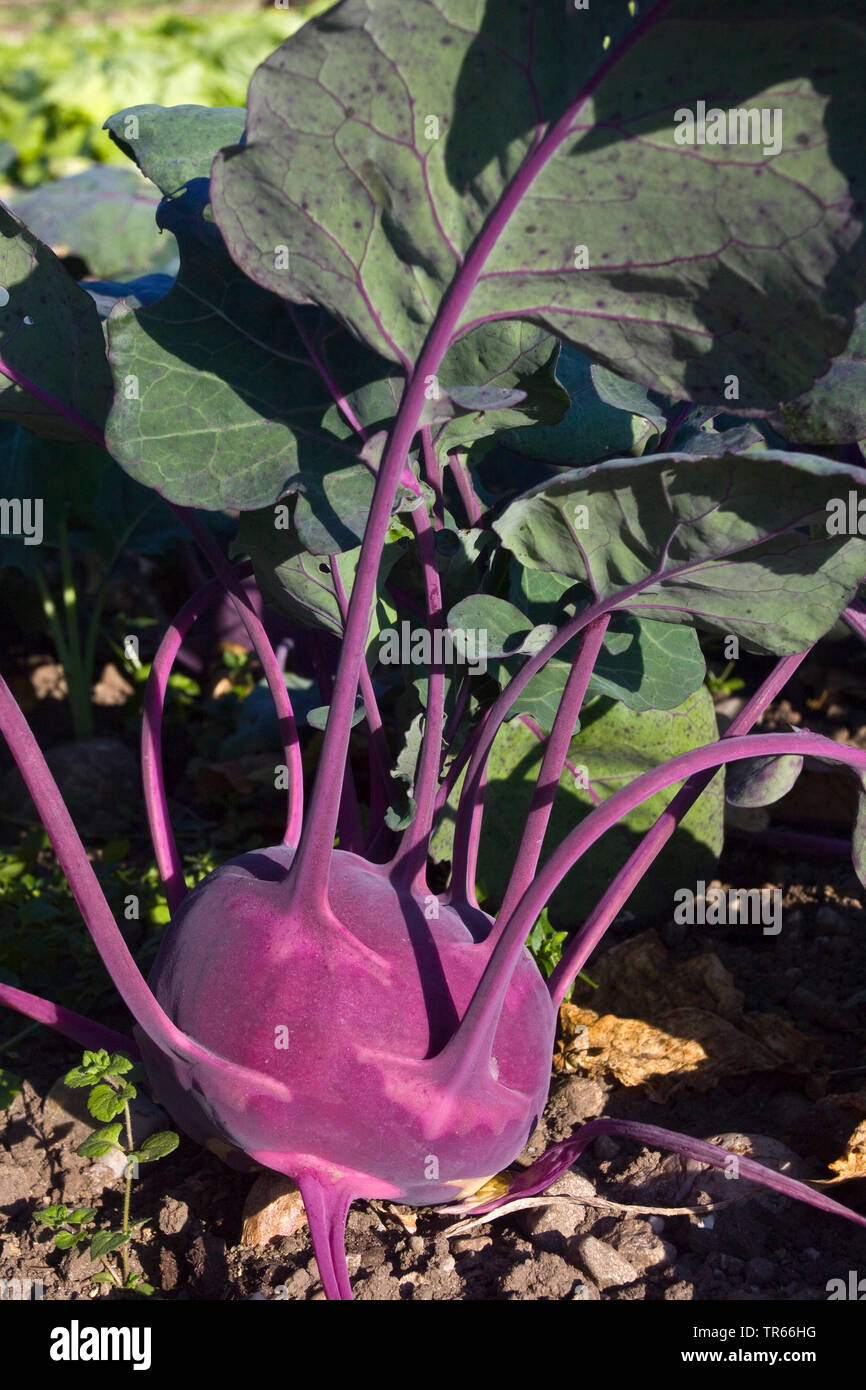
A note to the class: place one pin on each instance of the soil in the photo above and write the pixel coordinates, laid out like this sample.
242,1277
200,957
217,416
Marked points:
758,1247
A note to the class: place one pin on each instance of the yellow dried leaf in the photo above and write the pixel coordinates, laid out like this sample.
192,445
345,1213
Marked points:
853,1165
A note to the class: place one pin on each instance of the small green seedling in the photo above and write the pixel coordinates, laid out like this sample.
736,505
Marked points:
109,1097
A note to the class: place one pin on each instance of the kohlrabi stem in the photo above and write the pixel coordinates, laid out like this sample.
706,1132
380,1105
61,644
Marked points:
81,1030
463,481
670,433
553,762
379,753
471,1043
317,839
78,678
577,950
94,908
451,777
348,820
433,475
265,653
127,1190
165,850
410,862
455,717
855,617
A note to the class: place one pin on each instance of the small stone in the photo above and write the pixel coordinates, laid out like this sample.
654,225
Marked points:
830,920
605,1266
470,1245
559,1217
274,1208
173,1216
811,1253
760,1270
657,1224
605,1147
585,1293
447,1264
638,1243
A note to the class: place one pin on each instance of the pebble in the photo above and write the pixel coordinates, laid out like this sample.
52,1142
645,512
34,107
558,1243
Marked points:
830,920
811,1253
470,1245
643,1249
447,1264
760,1270
605,1147
584,1293
606,1267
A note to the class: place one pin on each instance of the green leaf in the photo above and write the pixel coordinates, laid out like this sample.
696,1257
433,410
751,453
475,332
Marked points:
657,669
10,1087
106,216
498,628
301,585
672,265
82,1215
608,417
105,1241
101,1142
317,718
761,781
401,811
217,403
614,746
101,1277
54,378
508,355
158,1145
545,944
721,542
99,1059
52,1216
833,411
119,1064
332,510
104,1102
65,1240
216,398
173,144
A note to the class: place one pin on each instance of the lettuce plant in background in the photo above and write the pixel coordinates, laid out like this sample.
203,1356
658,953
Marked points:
468,336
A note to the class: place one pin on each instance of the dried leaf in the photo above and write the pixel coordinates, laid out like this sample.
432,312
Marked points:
853,1165
640,977
675,1043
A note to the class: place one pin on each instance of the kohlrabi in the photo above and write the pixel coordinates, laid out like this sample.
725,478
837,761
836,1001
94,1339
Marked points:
433,212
